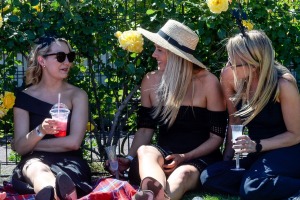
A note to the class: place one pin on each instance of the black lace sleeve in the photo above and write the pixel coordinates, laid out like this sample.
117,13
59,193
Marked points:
218,122
145,119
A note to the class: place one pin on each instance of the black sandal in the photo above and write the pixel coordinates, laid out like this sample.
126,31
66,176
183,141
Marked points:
64,186
47,193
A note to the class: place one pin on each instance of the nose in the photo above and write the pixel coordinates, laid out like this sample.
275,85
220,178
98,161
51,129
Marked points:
154,54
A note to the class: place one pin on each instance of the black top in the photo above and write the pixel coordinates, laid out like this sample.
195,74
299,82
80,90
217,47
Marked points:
268,123
191,128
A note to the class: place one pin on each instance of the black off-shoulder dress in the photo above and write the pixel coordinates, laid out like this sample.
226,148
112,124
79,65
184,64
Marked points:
72,162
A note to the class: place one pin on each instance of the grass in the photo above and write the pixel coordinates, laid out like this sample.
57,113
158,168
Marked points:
205,196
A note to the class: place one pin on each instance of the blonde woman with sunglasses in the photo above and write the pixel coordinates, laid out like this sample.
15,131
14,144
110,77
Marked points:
52,167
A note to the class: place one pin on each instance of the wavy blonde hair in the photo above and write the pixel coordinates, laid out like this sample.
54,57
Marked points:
34,70
173,87
254,50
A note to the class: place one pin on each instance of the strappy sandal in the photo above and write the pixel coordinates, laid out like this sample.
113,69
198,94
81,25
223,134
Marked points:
65,188
47,193
153,185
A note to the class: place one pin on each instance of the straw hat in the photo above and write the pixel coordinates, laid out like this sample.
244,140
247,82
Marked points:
177,38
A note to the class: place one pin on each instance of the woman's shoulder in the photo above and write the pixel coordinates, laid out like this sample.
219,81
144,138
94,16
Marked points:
205,77
75,91
152,77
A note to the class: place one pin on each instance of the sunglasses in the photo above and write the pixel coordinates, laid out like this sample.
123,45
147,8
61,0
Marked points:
61,56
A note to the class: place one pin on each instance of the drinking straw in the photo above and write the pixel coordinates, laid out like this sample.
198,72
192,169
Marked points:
58,103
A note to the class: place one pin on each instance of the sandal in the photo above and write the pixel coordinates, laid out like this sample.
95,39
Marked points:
65,188
153,185
47,193
143,195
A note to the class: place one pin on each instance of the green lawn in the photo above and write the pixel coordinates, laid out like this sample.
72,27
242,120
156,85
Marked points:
191,195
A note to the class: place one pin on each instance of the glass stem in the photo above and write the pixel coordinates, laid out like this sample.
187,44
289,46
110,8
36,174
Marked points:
237,159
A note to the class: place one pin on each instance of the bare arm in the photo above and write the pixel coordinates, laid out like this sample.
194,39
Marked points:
290,104
24,139
228,90
143,135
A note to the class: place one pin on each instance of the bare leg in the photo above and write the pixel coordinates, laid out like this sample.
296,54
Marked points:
38,174
181,180
150,164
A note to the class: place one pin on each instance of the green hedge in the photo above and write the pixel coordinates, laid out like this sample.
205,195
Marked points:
90,26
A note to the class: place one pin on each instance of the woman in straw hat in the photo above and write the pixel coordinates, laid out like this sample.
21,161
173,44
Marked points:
185,100
263,95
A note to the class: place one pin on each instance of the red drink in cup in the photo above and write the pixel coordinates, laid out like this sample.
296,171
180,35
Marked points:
60,113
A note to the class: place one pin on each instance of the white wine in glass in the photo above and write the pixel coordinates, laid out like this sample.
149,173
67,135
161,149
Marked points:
237,131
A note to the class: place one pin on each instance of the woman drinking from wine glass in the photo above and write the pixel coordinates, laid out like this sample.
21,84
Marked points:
262,95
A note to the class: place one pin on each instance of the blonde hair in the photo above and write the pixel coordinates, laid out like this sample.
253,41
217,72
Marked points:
34,70
255,51
173,87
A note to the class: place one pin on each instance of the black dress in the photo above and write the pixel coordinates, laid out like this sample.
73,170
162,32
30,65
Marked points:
191,128
71,162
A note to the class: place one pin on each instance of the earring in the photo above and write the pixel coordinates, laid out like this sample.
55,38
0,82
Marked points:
44,66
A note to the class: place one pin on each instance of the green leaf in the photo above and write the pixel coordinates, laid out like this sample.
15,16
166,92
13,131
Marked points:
150,12
14,18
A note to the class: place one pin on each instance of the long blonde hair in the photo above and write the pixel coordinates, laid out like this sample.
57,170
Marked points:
254,50
34,70
173,86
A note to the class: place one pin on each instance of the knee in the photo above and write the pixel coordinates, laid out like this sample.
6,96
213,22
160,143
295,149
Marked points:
145,150
35,167
256,188
184,175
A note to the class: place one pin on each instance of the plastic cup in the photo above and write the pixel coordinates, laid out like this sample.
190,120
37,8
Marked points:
60,113
112,158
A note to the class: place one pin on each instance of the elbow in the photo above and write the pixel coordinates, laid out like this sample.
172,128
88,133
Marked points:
74,147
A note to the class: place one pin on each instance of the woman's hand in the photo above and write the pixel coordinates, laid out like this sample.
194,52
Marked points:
244,144
172,161
49,126
124,164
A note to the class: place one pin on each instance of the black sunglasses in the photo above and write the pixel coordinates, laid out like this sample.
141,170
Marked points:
61,56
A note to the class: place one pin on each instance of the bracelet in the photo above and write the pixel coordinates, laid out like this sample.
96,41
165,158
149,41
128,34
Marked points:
129,158
258,146
38,132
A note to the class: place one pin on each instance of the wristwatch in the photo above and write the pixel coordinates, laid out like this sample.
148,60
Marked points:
38,132
129,158
258,146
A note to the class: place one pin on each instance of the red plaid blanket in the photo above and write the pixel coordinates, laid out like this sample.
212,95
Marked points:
106,189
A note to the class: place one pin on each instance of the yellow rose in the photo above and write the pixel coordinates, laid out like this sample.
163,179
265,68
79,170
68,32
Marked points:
1,21
131,41
217,6
90,126
8,100
248,25
118,34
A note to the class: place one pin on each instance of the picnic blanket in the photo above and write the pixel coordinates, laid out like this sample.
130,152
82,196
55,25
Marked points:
105,189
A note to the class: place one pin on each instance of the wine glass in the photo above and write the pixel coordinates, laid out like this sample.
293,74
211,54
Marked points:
112,159
237,131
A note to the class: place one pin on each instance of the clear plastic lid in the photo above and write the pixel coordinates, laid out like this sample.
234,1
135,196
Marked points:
59,105
60,109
